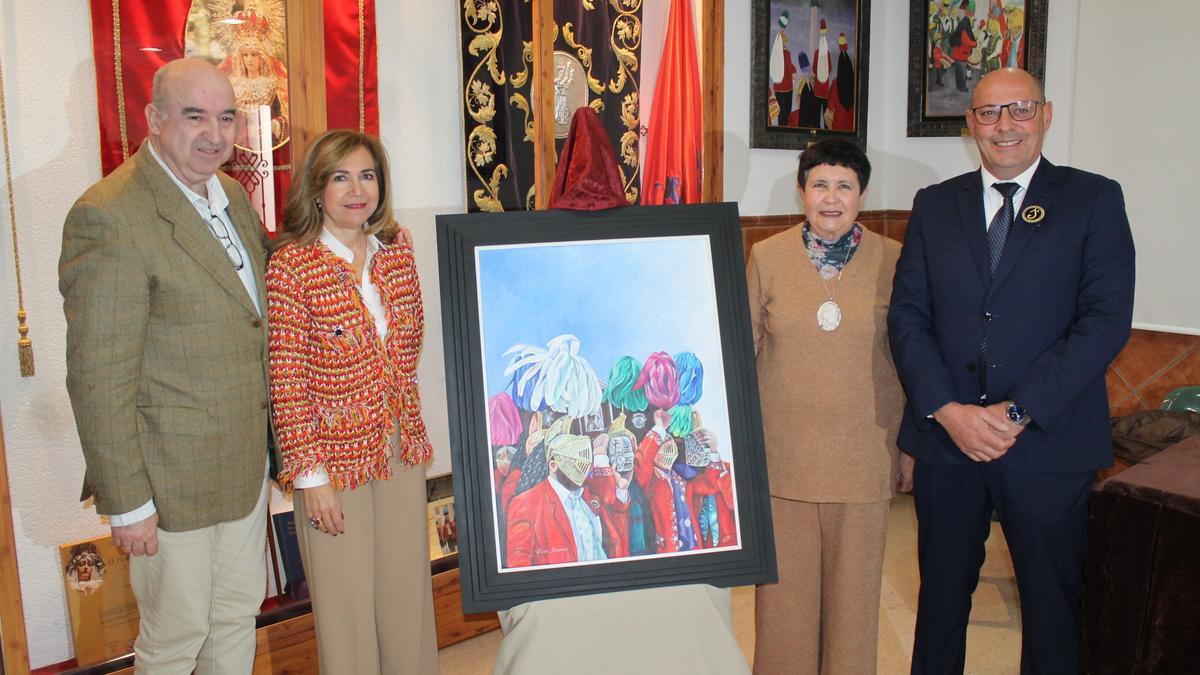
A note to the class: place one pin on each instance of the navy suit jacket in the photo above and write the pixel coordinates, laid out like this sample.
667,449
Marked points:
1056,313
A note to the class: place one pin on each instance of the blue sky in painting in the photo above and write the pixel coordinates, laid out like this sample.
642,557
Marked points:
619,297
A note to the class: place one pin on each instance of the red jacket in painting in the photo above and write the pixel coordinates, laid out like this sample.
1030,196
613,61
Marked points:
961,51
789,74
843,117
539,530
821,88
506,487
613,512
658,488
716,480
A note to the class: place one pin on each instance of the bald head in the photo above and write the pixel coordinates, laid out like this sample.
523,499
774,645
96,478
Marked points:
180,73
191,119
1007,147
1008,77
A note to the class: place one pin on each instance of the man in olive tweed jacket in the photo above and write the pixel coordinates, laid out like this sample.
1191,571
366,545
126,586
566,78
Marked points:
162,279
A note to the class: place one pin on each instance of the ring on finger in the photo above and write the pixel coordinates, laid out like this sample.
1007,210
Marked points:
315,522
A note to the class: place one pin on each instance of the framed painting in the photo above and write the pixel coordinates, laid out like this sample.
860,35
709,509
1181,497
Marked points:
604,420
953,43
443,539
808,72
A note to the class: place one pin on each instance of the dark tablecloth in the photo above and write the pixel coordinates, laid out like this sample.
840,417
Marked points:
1142,598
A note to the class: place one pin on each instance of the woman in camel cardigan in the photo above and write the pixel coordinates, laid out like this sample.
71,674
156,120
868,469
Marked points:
831,406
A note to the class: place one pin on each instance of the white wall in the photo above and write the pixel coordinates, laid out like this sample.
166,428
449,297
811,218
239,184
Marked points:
1135,122
763,181
51,96
420,117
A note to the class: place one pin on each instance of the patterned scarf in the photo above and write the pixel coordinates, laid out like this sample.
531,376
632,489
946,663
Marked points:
830,258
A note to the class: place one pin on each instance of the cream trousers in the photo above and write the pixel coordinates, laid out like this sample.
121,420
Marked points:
198,597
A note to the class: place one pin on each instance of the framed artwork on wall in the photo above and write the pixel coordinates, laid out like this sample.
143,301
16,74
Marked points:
808,72
605,429
953,43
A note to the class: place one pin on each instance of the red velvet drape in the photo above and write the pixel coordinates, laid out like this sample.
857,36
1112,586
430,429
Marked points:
673,144
342,69
150,33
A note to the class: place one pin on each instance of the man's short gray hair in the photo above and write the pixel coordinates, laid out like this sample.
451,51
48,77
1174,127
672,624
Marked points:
158,91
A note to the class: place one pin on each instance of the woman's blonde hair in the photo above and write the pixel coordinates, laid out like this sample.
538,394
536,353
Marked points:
302,217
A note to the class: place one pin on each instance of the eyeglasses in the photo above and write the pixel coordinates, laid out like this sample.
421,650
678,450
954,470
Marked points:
1019,111
217,226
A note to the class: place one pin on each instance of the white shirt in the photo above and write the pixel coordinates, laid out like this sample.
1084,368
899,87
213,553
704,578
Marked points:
214,206
564,494
374,304
993,200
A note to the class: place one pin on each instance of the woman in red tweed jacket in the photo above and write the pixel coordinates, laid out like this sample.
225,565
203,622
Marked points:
345,318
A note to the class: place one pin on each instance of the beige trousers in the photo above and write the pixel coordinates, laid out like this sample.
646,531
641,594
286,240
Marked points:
198,597
371,592
823,615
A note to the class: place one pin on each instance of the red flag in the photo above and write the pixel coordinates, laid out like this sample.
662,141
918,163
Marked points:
672,171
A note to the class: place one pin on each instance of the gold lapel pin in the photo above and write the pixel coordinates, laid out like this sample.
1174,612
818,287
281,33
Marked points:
1033,214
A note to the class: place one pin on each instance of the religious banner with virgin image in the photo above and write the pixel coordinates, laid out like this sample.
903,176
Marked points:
247,39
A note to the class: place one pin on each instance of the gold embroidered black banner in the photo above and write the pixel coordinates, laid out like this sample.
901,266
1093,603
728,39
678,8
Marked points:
597,56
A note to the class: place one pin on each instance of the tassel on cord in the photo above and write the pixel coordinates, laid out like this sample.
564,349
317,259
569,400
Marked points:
24,344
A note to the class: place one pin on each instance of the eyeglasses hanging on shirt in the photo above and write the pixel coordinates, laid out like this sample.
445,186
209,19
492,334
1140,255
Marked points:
221,232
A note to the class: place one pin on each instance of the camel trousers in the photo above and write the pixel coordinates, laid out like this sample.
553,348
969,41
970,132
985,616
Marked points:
198,597
371,592
823,615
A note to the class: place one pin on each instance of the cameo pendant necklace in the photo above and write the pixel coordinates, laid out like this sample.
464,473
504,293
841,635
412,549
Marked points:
829,314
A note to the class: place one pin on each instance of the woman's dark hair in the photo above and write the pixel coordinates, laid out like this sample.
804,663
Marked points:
836,153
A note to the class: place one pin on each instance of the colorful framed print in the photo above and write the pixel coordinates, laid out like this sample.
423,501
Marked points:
605,428
953,43
808,72
443,537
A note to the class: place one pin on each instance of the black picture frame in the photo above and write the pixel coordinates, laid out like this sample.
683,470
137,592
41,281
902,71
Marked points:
765,28
944,113
462,239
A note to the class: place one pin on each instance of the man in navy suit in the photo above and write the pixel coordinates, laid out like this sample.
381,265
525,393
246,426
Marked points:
1013,293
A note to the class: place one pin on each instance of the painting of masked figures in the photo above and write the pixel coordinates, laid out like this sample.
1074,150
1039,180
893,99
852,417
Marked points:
954,43
617,443
809,72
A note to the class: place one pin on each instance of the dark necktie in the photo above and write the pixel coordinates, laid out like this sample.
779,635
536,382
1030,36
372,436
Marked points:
996,235
1001,223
